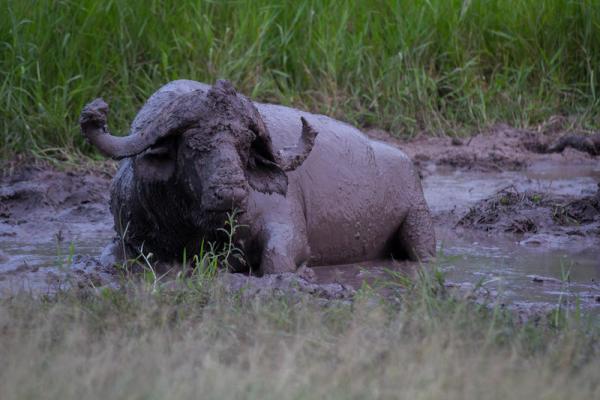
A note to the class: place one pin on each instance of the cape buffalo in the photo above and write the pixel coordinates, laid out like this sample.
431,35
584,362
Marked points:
309,190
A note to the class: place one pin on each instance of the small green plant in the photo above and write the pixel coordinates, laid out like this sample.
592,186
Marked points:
199,270
560,314
63,262
213,257
536,198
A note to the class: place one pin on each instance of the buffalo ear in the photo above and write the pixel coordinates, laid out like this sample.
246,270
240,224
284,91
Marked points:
263,173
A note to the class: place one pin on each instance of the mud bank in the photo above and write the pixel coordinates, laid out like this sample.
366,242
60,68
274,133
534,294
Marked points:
513,225
510,210
49,220
498,149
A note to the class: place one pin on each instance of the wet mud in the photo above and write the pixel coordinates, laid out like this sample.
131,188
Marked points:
514,225
498,149
52,225
510,210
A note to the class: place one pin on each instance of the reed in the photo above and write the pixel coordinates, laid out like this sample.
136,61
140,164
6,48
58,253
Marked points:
423,66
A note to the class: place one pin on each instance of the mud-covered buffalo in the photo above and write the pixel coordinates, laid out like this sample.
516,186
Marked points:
307,189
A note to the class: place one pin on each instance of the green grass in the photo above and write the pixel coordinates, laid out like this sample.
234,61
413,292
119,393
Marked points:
200,341
436,66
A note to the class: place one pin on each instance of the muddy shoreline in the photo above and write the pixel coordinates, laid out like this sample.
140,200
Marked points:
491,193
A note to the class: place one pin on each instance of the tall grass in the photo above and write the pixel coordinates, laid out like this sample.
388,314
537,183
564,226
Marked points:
200,341
406,66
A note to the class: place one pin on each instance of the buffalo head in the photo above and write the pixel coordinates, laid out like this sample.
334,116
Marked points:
213,146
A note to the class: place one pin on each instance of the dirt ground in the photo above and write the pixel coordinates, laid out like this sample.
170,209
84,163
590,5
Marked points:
499,148
510,210
41,204
43,210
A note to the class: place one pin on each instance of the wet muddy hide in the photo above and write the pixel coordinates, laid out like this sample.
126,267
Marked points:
307,189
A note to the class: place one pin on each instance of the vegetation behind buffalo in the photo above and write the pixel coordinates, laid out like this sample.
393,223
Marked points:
404,66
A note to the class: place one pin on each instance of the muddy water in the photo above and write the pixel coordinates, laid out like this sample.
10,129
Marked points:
49,218
536,270
42,263
533,271
519,273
